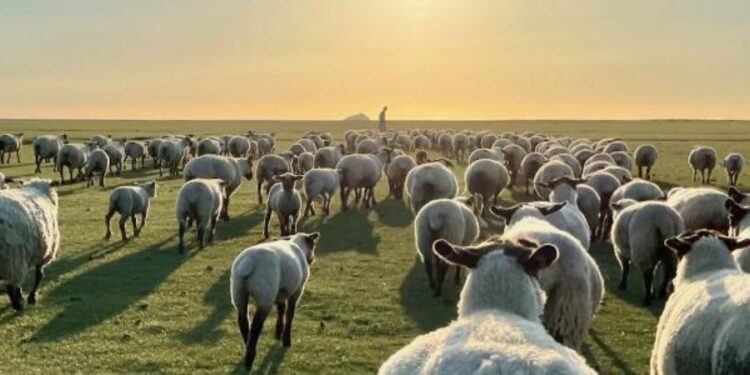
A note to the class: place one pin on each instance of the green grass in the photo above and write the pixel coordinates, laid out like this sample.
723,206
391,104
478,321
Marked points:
141,307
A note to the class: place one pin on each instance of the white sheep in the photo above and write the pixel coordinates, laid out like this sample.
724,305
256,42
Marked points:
700,207
98,161
116,154
367,146
428,182
605,185
530,165
10,143
446,219
135,150
29,236
583,155
590,205
208,146
129,201
272,273
703,328
733,164
397,171
320,182
487,179
623,175
46,148
460,146
152,148
269,166
622,159
360,173
228,169
328,157
422,142
305,162
498,330
199,200
571,161
513,155
645,157
638,190
548,172
73,156
638,235
101,140
283,200
703,159
739,221
238,146
171,152
570,218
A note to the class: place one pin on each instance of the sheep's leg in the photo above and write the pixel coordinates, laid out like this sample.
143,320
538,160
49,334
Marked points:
134,221
266,220
458,275
260,195
308,206
624,271
648,173
648,280
527,185
286,338
372,197
225,210
38,162
212,229
123,220
281,308
101,179
18,156
201,233
428,270
255,329
143,223
640,171
708,176
16,297
181,233
344,198
670,270
107,220
442,269
70,173
37,281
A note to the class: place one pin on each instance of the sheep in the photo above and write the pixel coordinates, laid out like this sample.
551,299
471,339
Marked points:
555,150
460,146
703,328
152,148
523,142
47,147
328,157
361,173
733,164
397,170
513,155
367,146
571,161
101,140
98,162
498,329
487,179
445,142
73,156
645,157
548,172
700,207
171,152
584,155
703,159
350,138
129,201
4,181
574,285
740,226
199,200
320,182
116,154
487,141
268,167
208,146
638,234
271,273
530,165
238,146
135,150
285,201
594,167
599,157
570,218
305,162
616,146
590,204
428,182
638,190
422,142
10,143
297,149
605,185
501,143
622,159
446,219
29,236
228,169
486,153
623,175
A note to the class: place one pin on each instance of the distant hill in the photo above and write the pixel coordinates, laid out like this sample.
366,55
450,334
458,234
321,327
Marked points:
358,117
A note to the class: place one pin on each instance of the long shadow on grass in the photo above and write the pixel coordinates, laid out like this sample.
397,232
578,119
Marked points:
344,231
218,297
417,301
101,293
394,213
239,225
617,361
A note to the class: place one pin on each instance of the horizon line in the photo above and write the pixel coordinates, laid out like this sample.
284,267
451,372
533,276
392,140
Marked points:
634,119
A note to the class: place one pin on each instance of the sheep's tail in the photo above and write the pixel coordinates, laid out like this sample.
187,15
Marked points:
238,286
568,312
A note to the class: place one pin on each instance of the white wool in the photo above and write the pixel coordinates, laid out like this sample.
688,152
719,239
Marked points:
486,153
427,182
200,200
548,172
700,207
397,170
570,218
486,178
320,182
639,190
269,166
703,328
230,170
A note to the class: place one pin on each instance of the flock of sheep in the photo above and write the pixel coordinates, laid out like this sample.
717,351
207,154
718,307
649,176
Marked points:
532,290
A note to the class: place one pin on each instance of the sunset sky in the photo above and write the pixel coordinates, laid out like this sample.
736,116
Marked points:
326,59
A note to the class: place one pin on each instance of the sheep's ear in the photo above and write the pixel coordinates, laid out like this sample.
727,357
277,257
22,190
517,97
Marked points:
455,254
615,205
314,236
298,177
9,179
736,209
678,245
626,179
541,258
505,213
276,178
736,194
552,209
733,243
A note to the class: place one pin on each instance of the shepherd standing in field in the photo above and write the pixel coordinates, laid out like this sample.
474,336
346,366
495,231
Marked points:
381,124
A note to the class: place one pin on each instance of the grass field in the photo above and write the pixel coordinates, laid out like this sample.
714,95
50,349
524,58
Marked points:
140,306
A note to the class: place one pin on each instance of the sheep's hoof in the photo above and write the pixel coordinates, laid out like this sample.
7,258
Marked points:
31,299
107,237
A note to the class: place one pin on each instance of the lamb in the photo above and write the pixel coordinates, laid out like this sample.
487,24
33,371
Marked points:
733,164
361,173
320,182
548,172
271,273
73,156
460,146
328,157
428,182
47,147
638,235
209,146
700,208
638,190
135,150
238,146
129,201
10,143
703,329
487,179
498,327
29,236
285,201
397,170
116,154
98,162
605,185
530,165
645,157
449,220
703,159
486,153
230,170
268,167
574,285
199,200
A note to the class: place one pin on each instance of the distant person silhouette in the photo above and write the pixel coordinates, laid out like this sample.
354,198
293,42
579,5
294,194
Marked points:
381,124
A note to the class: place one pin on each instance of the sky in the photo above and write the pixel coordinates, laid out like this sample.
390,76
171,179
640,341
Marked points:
327,59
